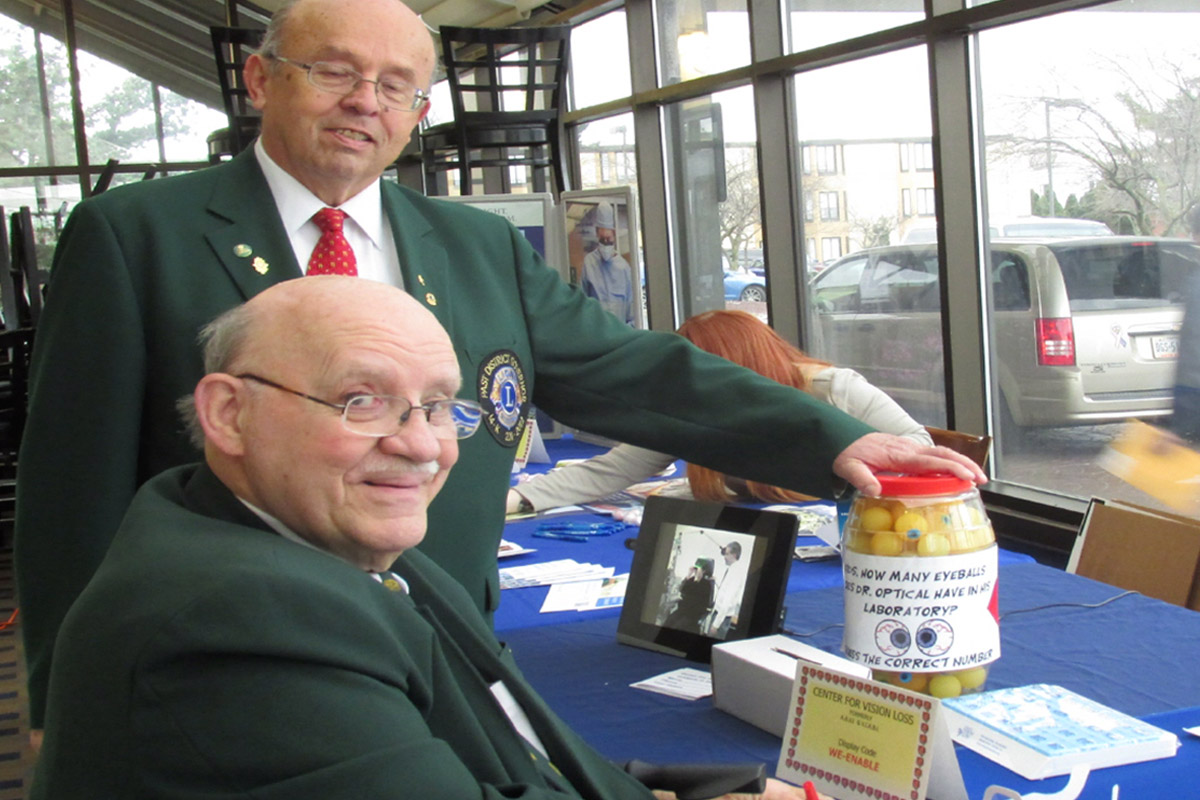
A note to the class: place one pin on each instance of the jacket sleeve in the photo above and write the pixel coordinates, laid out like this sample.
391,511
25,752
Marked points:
78,468
656,390
593,478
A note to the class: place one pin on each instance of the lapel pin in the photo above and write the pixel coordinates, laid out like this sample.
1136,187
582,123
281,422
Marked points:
421,278
242,250
430,299
260,265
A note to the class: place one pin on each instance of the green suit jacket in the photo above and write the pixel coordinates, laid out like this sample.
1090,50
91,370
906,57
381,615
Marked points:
139,269
212,658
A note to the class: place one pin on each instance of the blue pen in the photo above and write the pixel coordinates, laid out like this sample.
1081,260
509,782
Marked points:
583,528
566,537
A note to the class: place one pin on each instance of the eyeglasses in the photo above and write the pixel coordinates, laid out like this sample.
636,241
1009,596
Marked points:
381,415
393,93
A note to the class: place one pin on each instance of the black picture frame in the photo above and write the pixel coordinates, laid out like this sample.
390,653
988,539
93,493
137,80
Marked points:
676,538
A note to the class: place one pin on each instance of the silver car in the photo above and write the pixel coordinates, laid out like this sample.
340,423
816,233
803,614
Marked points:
1087,330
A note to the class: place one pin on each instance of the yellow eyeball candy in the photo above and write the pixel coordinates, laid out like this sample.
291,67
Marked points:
911,521
887,543
933,544
876,518
945,685
916,681
858,541
971,678
940,518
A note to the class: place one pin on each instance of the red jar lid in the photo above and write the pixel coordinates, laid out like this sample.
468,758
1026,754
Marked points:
928,484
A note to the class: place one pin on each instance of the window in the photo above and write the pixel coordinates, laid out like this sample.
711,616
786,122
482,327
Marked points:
829,206
925,203
923,156
1059,95
603,40
826,159
714,201
606,153
906,204
831,248
893,352
695,41
812,23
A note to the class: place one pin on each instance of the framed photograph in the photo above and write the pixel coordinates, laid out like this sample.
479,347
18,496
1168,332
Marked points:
705,573
602,249
532,214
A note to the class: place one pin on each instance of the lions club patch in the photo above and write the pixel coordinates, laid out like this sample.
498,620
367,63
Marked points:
503,395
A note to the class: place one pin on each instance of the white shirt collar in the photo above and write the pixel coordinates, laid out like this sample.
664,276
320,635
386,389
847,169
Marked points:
297,203
283,530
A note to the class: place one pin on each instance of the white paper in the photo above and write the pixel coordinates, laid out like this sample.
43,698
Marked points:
686,683
586,595
550,572
508,548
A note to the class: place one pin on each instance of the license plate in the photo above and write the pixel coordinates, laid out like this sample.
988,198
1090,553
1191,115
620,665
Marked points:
1164,346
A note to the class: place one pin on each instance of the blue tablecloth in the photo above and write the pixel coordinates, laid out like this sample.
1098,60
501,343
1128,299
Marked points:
1135,654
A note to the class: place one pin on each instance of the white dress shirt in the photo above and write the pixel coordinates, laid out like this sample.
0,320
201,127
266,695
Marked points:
367,228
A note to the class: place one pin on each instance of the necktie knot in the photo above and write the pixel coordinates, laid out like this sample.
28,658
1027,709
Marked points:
332,255
330,220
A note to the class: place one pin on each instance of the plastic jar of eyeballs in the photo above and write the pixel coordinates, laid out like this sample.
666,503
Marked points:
920,568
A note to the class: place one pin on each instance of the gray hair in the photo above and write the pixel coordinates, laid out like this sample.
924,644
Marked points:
223,341
274,35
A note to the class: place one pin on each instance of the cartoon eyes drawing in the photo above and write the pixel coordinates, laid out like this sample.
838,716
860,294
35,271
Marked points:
892,637
935,637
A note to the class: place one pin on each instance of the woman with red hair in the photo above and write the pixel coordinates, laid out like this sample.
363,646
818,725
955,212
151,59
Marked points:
743,339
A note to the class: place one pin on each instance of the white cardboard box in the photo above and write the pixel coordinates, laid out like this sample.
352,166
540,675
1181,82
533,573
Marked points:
752,678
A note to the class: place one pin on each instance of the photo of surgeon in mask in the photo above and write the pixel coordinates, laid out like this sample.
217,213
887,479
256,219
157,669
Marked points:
606,275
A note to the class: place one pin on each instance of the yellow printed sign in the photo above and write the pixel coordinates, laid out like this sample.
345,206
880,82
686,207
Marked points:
857,738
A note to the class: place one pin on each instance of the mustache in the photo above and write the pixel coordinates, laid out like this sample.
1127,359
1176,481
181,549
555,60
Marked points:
403,466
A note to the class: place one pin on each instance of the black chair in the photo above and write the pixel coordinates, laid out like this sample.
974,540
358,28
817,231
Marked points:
9,306
28,280
106,176
507,87
15,347
231,46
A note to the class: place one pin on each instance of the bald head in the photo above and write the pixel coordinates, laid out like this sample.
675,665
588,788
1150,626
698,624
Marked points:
285,369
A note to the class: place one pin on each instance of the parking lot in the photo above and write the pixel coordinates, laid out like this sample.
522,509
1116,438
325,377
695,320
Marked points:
1057,459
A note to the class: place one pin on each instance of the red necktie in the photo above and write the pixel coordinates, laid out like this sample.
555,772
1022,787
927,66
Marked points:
332,255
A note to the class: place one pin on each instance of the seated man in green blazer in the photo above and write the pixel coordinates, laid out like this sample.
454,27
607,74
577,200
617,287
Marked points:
262,626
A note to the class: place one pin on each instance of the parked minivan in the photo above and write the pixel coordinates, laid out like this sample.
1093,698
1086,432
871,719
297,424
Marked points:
1087,330
1040,227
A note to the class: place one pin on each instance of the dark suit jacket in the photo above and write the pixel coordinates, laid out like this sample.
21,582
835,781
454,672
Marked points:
139,269
211,657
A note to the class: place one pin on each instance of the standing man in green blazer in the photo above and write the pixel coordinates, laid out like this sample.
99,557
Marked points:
139,269
246,635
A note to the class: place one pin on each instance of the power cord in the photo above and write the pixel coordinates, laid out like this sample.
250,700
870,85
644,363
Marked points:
1112,599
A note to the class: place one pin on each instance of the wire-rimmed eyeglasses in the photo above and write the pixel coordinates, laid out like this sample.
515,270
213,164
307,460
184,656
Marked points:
381,415
394,94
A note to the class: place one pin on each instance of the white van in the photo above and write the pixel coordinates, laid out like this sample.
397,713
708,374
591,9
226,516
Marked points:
925,231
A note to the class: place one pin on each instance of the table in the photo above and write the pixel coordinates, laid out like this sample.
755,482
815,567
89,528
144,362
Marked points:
1134,653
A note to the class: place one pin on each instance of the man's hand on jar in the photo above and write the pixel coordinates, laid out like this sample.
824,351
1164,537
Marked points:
883,452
